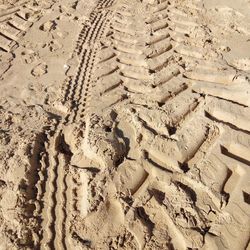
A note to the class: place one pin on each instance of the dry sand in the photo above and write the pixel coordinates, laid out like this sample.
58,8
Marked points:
125,124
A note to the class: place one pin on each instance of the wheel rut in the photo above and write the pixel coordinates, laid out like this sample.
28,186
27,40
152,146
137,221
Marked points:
55,192
148,128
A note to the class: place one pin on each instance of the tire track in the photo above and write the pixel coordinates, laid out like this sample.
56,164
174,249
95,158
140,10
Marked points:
48,213
14,23
17,22
55,189
144,69
162,73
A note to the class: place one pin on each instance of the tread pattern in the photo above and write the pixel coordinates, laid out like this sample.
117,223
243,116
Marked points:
56,203
14,23
112,142
139,75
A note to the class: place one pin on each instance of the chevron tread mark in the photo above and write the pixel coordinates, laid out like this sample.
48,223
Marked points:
153,152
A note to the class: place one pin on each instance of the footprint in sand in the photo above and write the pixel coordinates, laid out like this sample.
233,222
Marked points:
48,26
29,56
39,70
54,45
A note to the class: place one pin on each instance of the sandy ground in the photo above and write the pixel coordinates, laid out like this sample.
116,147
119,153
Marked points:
125,124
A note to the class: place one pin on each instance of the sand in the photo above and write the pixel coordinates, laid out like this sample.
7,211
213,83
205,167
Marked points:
124,124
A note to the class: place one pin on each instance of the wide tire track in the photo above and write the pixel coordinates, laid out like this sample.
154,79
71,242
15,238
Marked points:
139,62
152,66
55,194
